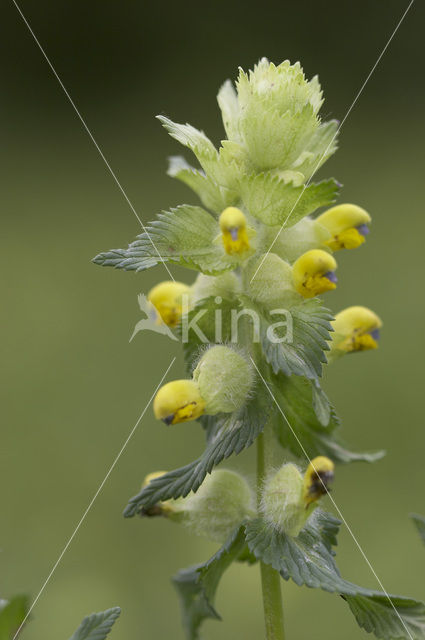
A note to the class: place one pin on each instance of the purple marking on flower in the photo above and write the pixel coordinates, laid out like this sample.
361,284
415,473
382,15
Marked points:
363,229
330,275
375,334
234,233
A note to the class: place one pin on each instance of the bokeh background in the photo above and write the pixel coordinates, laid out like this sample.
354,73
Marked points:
73,387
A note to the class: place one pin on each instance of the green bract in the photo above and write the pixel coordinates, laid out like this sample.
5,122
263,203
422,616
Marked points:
222,502
255,338
224,379
97,626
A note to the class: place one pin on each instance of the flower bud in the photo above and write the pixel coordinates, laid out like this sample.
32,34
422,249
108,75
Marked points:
314,273
274,117
221,503
234,231
224,379
347,224
166,299
356,329
178,401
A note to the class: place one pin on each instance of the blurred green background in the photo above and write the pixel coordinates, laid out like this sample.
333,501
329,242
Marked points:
72,385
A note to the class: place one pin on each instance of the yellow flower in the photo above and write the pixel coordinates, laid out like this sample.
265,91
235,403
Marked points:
356,329
314,273
320,472
234,231
166,297
347,224
178,401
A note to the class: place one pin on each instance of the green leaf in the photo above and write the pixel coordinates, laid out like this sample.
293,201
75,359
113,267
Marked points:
322,145
306,333
193,139
184,236
221,166
12,615
312,419
228,102
309,560
212,195
420,524
274,202
97,626
227,434
375,614
197,585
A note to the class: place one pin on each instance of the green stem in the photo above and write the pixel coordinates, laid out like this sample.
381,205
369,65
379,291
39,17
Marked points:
270,578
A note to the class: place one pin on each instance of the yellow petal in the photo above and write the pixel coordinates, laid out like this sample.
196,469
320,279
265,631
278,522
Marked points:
356,329
166,297
343,222
178,401
313,273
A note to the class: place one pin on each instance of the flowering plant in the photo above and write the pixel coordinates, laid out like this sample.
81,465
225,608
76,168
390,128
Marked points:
256,336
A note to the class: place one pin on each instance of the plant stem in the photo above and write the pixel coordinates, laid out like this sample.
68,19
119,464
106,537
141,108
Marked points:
270,578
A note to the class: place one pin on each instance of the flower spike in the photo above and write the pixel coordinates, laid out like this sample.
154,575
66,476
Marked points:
348,225
314,273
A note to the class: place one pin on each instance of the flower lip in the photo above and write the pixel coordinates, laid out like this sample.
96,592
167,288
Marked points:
331,275
363,229
375,334
320,482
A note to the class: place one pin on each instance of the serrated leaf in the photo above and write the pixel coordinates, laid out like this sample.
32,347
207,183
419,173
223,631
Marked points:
375,614
220,166
309,560
306,333
322,145
184,236
212,195
197,585
303,403
274,202
97,626
12,615
193,139
420,524
227,434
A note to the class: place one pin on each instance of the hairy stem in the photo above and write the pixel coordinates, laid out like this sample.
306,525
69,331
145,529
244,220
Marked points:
270,578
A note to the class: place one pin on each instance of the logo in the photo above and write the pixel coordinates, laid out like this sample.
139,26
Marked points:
277,332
